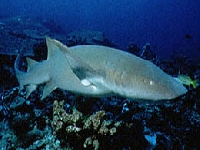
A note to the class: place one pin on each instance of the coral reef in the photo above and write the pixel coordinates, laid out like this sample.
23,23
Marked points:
106,123
84,129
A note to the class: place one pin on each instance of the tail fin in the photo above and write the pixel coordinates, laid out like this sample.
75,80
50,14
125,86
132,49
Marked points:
19,74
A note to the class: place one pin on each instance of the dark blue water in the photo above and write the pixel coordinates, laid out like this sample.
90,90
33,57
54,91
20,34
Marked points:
164,24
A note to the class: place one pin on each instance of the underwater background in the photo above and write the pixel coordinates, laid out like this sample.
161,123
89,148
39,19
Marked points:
164,24
165,32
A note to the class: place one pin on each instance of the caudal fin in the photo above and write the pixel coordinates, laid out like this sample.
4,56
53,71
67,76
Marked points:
19,74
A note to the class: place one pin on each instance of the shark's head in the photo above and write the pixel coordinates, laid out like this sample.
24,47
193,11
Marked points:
156,90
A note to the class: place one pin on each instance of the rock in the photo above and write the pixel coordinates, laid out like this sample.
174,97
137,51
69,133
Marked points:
87,37
19,33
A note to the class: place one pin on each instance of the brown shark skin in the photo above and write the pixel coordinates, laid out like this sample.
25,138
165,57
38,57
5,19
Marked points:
98,71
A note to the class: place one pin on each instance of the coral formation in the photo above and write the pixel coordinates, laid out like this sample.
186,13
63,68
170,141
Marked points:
75,124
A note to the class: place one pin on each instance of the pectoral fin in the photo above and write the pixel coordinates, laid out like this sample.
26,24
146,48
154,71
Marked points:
49,87
87,75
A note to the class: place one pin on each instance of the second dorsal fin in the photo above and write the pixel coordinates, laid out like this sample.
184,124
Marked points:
30,63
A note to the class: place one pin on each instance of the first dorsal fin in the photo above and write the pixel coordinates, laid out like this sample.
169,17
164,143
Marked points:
51,47
86,74
30,63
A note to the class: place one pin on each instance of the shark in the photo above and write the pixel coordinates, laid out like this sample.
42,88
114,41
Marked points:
96,71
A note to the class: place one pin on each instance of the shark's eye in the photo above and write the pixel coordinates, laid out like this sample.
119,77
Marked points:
151,82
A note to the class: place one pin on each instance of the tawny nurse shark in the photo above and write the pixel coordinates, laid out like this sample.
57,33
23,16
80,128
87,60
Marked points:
97,71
